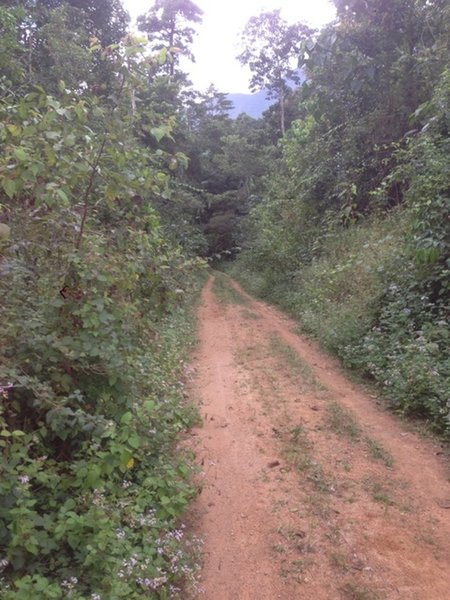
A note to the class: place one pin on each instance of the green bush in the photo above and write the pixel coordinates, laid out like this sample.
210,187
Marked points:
374,290
365,299
92,402
96,326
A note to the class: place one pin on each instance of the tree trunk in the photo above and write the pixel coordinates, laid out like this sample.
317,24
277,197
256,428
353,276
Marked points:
282,113
171,45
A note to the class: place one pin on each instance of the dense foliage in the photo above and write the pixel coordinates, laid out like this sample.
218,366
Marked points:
352,233
95,294
272,48
166,24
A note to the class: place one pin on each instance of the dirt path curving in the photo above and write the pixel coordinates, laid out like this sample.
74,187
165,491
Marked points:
308,489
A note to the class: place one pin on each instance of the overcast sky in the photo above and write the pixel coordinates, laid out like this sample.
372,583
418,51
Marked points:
217,43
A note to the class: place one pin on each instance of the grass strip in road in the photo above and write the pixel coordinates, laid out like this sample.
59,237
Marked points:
342,422
226,293
296,365
377,451
356,591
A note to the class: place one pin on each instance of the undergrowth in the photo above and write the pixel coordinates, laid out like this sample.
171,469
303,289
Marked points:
92,494
361,300
95,330
363,263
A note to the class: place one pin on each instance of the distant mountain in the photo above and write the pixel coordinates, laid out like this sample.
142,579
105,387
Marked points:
252,104
255,104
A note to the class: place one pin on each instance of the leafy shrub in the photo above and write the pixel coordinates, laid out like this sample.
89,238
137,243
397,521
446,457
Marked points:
367,300
94,298
373,289
406,351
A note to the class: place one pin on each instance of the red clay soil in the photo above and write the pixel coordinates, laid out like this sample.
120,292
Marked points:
308,489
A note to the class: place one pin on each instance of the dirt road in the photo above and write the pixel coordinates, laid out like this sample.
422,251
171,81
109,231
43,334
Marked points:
309,490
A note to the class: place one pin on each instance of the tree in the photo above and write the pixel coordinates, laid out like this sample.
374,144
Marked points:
351,232
272,47
166,25
368,73
54,37
11,51
207,121
227,158
104,19
88,280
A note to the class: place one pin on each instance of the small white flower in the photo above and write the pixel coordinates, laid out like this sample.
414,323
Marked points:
3,564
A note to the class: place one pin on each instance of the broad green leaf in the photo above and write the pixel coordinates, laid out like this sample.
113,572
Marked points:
20,154
52,135
149,405
10,187
5,232
70,139
162,56
158,133
134,441
62,194
14,129
126,418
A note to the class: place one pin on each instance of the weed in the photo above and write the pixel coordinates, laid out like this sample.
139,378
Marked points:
265,476
342,422
378,452
299,566
317,478
296,364
357,591
427,539
297,449
278,505
250,353
297,432
345,465
295,569
334,534
302,462
380,494
287,532
340,561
